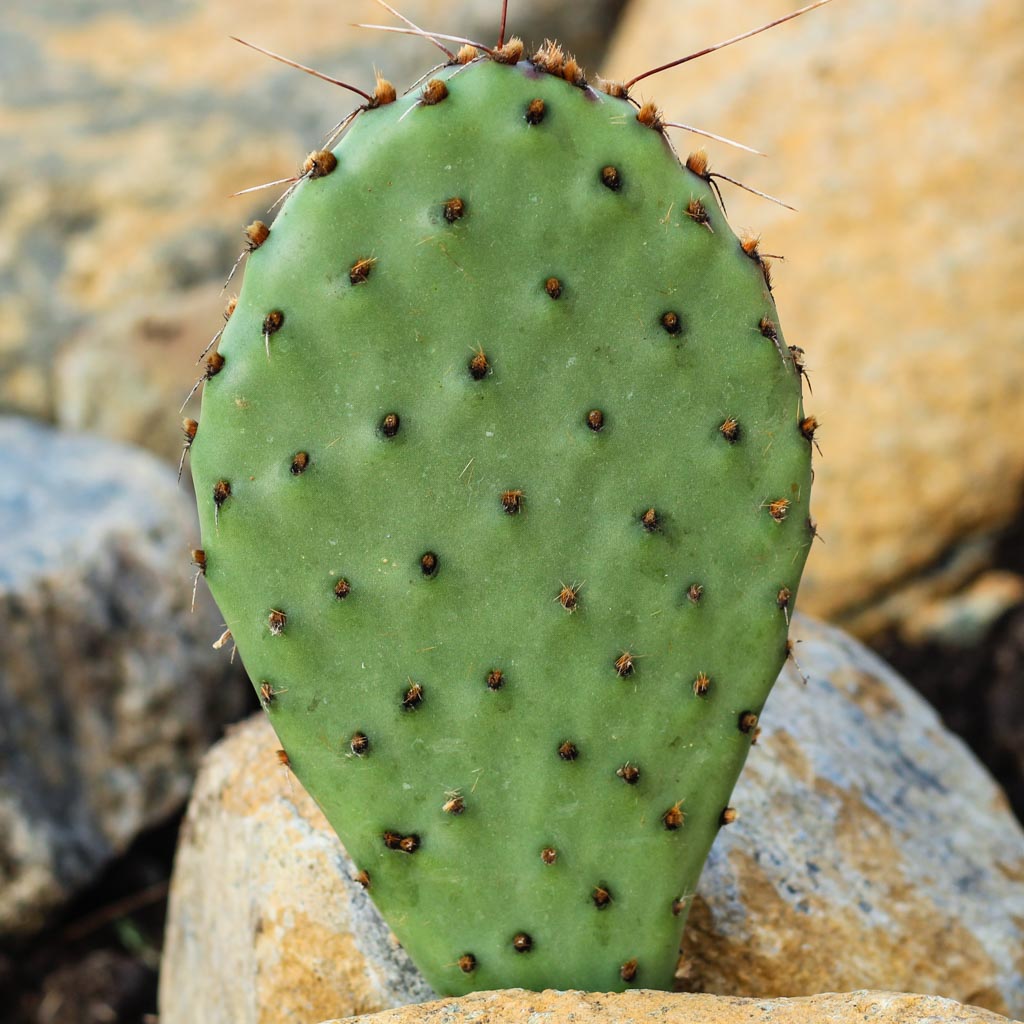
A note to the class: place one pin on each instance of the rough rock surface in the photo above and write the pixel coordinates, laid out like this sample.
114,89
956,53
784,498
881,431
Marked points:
109,691
871,851
895,133
516,1006
126,127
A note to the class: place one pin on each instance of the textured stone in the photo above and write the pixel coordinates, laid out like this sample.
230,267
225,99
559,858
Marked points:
109,691
895,133
871,851
515,1006
126,127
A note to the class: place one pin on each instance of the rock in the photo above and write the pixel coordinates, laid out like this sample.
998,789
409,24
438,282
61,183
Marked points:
889,128
127,127
109,691
965,619
516,1006
872,850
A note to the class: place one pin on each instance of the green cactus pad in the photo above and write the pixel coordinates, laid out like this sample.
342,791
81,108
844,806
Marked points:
504,498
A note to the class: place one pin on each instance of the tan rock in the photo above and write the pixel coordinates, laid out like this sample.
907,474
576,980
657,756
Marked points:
894,130
872,850
515,1006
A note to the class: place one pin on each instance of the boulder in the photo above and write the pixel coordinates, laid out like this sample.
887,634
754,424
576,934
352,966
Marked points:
109,690
871,850
516,1006
890,128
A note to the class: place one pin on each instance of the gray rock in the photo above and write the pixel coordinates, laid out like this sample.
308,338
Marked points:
109,690
871,851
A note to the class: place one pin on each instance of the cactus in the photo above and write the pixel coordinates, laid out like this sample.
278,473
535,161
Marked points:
503,477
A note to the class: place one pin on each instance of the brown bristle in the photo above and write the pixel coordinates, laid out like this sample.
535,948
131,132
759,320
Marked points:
390,424
778,509
766,269
616,89
231,306
454,209
696,210
214,364
384,93
650,520
359,744
283,759
611,178
768,329
629,773
755,736
512,502
273,322
701,685
221,492
808,426
553,287
624,664
300,463
573,73
601,896
189,428
568,596
695,592
535,111
391,840
342,589
627,972
257,233
319,163
522,943
672,322
454,804
360,270
409,844
782,598
747,722
433,92
277,620
678,906
467,963
568,751
595,420
199,559
510,53
650,116
673,818
466,54
729,815
697,162
550,58
549,855
495,679
362,878
267,695
749,244
429,563
478,365
413,697
730,430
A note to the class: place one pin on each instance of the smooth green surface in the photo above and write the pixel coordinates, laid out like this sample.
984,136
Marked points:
368,507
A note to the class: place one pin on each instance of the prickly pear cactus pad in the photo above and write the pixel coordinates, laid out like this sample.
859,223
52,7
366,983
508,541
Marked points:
503,476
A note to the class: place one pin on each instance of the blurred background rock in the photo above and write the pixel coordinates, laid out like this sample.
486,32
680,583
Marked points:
124,127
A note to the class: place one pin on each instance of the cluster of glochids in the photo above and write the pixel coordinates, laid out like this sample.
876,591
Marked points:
368,743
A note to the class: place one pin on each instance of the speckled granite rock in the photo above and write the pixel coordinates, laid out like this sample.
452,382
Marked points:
109,691
894,130
126,127
515,1006
871,851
